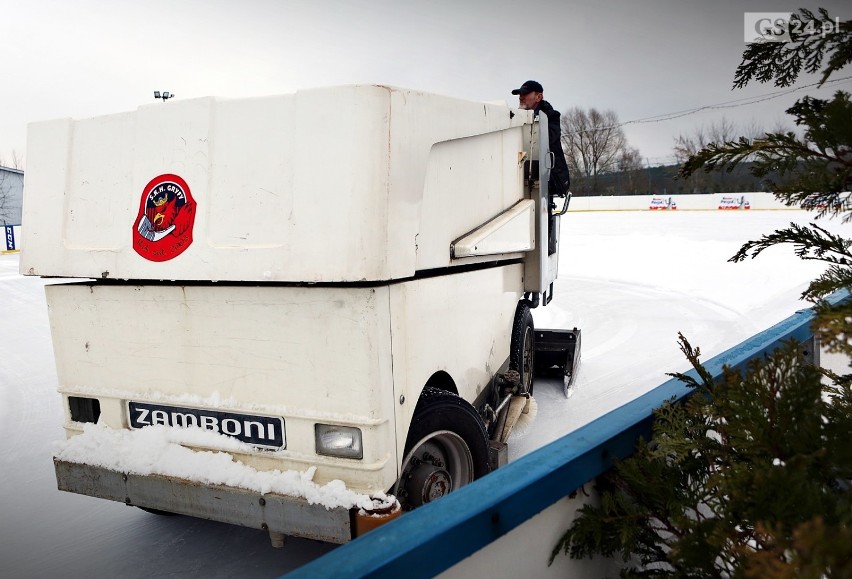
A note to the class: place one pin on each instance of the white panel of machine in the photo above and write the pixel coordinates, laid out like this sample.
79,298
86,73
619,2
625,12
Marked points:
325,185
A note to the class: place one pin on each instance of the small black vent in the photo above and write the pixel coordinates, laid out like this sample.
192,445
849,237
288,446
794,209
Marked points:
84,409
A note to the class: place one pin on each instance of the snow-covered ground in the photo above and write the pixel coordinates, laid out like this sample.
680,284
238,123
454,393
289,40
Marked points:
630,280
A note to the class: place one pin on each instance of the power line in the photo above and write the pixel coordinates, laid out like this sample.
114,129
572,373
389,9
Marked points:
723,105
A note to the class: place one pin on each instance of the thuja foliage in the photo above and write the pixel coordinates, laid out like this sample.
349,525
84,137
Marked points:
816,165
751,476
817,42
748,477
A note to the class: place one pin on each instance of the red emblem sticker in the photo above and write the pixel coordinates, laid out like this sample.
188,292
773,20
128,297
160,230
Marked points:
163,228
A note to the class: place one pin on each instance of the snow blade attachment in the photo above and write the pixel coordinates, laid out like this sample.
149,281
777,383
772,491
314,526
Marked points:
557,353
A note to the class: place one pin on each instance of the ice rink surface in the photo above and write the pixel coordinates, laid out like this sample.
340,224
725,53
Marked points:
629,280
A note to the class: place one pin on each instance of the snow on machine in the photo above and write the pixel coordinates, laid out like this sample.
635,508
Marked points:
294,320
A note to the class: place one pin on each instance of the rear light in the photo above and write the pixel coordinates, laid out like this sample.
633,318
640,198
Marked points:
84,409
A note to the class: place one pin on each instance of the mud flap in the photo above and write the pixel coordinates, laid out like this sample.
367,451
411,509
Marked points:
557,354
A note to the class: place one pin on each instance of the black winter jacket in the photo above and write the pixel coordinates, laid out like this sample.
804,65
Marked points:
560,180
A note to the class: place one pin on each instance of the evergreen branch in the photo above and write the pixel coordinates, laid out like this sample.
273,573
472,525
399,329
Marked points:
814,243
692,354
782,62
836,277
775,152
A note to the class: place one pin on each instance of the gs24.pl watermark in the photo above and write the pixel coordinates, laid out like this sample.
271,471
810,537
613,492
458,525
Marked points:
777,26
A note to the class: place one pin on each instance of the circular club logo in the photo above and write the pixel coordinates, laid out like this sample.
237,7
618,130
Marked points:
163,228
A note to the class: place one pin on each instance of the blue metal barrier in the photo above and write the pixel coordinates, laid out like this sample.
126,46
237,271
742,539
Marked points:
433,538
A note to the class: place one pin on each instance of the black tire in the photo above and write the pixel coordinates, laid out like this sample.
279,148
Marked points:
522,348
446,448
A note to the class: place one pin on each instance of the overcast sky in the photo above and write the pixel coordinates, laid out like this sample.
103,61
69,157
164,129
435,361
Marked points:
641,58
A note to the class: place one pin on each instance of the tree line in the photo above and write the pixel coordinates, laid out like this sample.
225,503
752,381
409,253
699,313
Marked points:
602,161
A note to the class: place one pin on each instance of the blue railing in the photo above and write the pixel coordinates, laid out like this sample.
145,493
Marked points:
431,539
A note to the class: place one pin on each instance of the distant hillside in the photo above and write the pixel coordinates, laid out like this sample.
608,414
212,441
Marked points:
661,180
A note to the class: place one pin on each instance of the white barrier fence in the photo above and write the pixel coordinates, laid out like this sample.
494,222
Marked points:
696,202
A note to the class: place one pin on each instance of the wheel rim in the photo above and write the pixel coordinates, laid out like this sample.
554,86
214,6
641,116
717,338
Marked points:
437,465
527,359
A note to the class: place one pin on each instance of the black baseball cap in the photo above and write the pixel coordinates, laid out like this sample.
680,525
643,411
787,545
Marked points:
529,86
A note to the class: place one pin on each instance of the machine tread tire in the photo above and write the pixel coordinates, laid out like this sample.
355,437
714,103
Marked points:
523,345
441,411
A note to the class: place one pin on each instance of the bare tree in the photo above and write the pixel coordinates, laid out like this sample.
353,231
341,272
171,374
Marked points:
629,159
5,198
16,161
719,132
633,172
753,129
8,204
594,144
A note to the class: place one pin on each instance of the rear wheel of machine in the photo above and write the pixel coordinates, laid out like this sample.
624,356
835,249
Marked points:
447,448
522,352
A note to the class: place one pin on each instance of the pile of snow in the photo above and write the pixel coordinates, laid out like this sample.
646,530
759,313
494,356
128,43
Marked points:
159,450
